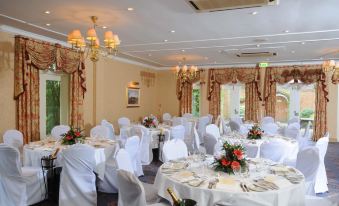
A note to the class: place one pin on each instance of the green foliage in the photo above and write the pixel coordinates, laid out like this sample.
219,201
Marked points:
196,102
307,113
52,104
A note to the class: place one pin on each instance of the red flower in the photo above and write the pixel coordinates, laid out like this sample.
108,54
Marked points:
235,165
225,162
69,137
77,134
238,153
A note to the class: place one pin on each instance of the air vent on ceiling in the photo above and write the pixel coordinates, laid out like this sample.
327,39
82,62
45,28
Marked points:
256,54
221,5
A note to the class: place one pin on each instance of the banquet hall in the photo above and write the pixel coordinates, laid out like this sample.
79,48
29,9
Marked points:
169,102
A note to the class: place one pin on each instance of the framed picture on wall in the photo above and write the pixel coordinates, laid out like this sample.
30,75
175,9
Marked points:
133,97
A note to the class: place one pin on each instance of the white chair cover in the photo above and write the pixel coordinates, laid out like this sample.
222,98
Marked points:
294,120
251,150
174,149
132,147
235,126
177,121
19,186
275,150
270,128
166,118
293,130
77,183
109,127
209,143
213,130
237,119
266,120
218,123
308,163
178,132
114,161
202,123
143,133
321,178
124,122
189,135
187,115
13,138
100,131
210,118
59,130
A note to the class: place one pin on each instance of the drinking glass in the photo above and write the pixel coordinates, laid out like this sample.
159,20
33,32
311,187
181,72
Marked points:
237,171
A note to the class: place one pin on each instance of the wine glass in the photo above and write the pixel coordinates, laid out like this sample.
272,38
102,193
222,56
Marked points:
237,170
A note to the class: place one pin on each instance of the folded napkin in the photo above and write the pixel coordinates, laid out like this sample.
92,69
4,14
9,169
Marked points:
183,176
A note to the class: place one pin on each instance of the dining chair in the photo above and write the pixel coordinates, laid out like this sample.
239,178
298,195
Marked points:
166,118
266,120
123,122
59,130
251,150
15,138
321,179
132,191
213,130
177,121
177,132
209,143
201,127
77,181
293,130
19,186
294,120
100,131
145,149
174,149
187,115
132,146
270,128
308,162
275,150
110,127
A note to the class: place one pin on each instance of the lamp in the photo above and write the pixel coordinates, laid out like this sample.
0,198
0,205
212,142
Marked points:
330,66
186,73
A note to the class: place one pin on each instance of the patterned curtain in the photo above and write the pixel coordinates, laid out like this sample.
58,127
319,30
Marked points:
32,56
307,74
184,94
249,76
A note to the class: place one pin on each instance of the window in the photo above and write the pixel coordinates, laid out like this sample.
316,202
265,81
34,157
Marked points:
54,101
196,94
232,100
295,100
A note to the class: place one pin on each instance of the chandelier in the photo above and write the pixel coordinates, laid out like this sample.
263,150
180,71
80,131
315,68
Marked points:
186,73
330,66
93,44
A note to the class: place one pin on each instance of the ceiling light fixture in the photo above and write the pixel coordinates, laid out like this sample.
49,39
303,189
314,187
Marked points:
104,27
172,31
330,66
48,24
286,31
78,42
254,13
185,72
130,9
183,50
292,52
47,12
303,42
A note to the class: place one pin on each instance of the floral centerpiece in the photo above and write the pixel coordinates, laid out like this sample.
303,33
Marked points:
231,158
72,136
255,132
150,121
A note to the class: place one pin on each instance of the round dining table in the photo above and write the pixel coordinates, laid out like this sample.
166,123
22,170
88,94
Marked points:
265,183
34,151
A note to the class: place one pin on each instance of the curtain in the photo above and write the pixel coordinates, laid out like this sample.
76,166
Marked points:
32,56
306,74
249,76
184,94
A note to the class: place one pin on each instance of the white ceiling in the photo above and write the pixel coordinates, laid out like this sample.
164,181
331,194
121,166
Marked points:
207,38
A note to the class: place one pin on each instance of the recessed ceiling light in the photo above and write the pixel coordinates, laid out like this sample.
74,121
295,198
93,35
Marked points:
215,62
149,55
172,31
321,58
104,27
48,24
303,42
254,13
258,45
47,12
130,9
206,58
292,52
165,40
286,31
183,50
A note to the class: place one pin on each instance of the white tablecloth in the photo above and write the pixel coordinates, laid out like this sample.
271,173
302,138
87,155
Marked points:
34,151
228,188
292,144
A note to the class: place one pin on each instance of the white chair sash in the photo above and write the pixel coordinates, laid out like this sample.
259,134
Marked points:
293,120
321,178
132,147
143,133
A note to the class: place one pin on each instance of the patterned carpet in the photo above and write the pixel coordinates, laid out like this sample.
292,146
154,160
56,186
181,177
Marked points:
331,162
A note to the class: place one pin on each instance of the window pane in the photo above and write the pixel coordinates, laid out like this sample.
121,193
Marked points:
307,104
52,104
196,93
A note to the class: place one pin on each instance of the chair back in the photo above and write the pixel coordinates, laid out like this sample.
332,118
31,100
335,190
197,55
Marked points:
308,162
266,120
123,160
124,122
132,146
166,117
174,149
235,126
196,137
251,150
270,128
12,185
209,143
178,132
143,133
237,119
293,130
99,131
213,130
77,176
187,115
13,138
177,121
322,145
293,120
275,150
131,191
202,124
110,128
59,130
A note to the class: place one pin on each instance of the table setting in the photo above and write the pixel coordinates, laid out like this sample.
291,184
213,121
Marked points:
231,178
